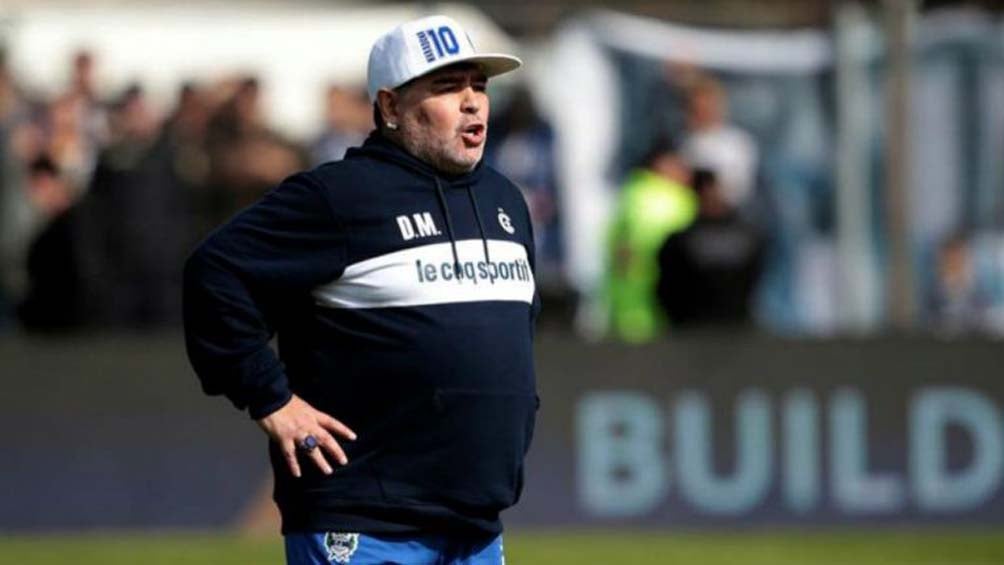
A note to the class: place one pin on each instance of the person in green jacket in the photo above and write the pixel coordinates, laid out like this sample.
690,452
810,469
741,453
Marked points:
654,202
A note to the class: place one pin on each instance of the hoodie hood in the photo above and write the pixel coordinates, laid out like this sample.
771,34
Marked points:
378,146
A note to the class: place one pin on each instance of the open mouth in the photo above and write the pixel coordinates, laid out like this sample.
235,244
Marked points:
473,134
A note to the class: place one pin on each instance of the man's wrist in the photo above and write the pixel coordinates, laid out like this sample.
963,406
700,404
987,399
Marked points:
266,405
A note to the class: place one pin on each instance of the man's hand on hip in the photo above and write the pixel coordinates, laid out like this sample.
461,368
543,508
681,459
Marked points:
298,426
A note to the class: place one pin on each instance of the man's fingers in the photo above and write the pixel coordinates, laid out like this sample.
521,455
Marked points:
336,427
318,456
331,446
289,452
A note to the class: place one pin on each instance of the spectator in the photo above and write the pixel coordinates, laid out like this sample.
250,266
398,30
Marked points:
67,142
716,145
84,90
347,120
708,272
77,124
53,300
180,165
120,213
13,106
174,185
246,158
82,77
13,112
957,303
654,202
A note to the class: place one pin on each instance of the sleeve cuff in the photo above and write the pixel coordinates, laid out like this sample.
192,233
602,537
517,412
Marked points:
266,392
257,410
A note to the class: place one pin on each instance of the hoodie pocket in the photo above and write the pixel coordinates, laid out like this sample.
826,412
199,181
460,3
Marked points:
465,450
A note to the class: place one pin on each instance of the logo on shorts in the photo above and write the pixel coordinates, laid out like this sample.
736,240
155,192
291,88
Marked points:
340,546
506,222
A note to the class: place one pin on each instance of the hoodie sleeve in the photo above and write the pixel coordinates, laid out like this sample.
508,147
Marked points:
278,249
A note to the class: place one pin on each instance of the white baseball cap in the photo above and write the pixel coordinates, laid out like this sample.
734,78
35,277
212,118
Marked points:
421,46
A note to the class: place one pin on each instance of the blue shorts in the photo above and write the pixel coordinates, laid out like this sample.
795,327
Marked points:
361,549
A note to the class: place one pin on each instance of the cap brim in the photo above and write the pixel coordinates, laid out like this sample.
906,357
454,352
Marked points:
493,64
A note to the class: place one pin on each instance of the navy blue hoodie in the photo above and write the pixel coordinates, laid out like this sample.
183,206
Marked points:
403,303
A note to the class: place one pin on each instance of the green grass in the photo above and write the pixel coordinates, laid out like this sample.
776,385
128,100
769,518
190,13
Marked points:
818,548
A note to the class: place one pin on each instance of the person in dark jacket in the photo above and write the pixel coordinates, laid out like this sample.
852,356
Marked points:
399,282
54,300
709,271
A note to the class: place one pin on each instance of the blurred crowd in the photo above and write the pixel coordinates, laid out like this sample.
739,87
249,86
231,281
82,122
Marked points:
706,234
102,199
683,252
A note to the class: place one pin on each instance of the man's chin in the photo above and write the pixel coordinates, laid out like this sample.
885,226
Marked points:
463,163
472,156
458,168
455,162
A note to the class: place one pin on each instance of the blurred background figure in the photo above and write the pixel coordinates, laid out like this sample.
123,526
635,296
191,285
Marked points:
13,208
709,270
958,303
54,297
124,220
655,202
522,145
348,117
82,78
83,88
67,138
180,162
77,124
246,157
714,144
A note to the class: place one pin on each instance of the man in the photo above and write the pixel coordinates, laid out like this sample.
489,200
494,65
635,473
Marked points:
400,284
347,120
717,145
655,201
709,271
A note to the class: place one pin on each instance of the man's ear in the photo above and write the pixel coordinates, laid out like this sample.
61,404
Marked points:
387,102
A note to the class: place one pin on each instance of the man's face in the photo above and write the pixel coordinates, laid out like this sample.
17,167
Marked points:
442,117
707,109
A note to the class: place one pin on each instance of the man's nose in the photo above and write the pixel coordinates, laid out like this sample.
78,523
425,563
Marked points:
470,103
